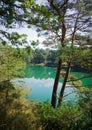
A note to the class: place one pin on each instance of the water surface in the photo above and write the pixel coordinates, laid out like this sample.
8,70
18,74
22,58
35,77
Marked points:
41,80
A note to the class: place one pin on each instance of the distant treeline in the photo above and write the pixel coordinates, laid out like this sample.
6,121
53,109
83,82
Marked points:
46,57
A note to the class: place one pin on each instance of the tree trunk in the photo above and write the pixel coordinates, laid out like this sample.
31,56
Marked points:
55,87
64,84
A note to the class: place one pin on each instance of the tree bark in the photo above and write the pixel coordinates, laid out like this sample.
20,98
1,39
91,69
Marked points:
64,84
55,87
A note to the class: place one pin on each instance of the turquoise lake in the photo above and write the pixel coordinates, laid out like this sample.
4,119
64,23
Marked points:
41,79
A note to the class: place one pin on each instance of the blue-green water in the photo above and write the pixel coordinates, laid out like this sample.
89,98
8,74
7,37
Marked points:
41,80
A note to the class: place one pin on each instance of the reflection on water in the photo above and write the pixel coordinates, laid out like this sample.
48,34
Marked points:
41,80
39,72
42,88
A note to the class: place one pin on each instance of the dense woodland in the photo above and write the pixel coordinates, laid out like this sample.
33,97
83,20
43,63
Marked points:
62,22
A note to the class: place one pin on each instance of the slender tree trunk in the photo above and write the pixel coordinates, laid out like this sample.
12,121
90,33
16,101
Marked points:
55,87
69,63
64,84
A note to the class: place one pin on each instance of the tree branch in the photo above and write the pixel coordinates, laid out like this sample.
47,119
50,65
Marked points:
54,7
64,3
80,78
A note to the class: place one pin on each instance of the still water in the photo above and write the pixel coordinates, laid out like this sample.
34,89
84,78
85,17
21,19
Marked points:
41,80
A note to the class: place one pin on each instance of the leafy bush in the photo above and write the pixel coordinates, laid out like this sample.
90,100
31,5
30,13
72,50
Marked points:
68,117
60,118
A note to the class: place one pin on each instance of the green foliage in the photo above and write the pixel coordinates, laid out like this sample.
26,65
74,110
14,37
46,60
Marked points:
27,54
47,57
85,103
83,57
16,112
14,107
38,56
9,63
34,44
79,55
75,81
17,39
68,117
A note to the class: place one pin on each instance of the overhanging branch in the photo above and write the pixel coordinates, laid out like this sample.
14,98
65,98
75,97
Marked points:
80,78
